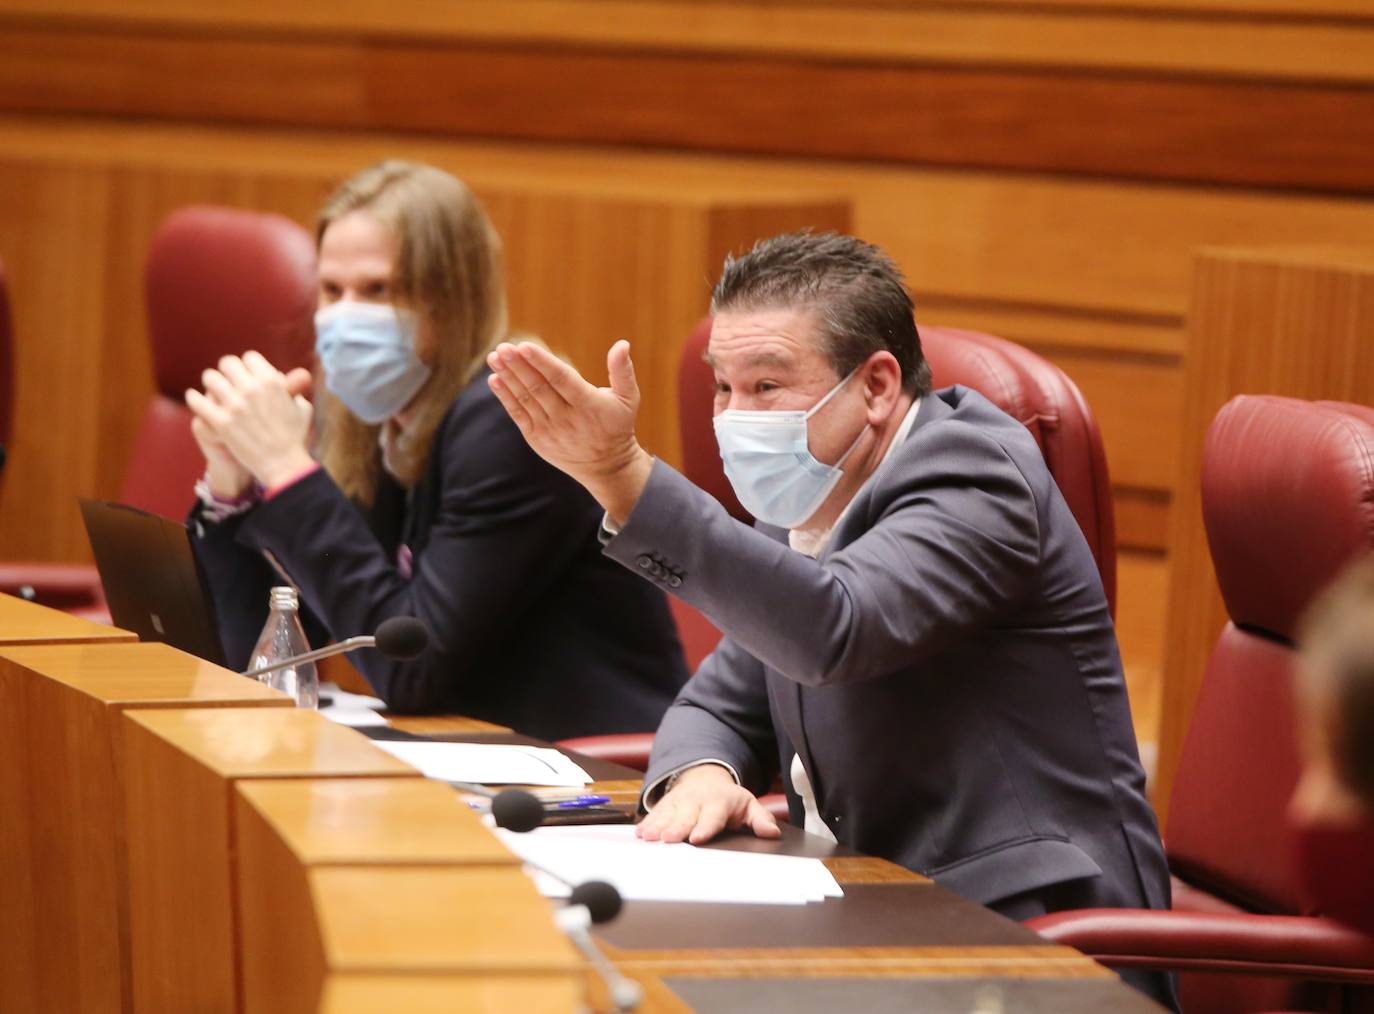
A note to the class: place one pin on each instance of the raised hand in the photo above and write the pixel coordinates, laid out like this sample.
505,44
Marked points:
257,414
705,801
586,431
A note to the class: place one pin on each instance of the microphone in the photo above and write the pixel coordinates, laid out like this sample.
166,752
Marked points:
401,638
591,903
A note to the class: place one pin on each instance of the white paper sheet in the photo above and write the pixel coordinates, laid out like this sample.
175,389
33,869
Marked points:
654,871
488,764
357,710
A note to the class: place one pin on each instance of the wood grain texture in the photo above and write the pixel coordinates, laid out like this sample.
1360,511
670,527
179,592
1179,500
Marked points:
367,821
1315,39
180,770
28,623
1033,243
1289,321
1179,128
282,828
63,899
444,994
822,962
481,920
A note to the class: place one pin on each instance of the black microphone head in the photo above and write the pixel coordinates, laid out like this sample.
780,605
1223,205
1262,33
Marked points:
601,899
517,810
402,637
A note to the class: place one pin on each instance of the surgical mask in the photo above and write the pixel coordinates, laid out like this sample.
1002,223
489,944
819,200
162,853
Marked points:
368,354
1335,866
770,465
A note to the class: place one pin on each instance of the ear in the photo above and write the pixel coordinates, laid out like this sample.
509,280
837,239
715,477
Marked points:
882,380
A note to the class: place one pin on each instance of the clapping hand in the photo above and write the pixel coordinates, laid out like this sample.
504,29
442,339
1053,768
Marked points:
252,422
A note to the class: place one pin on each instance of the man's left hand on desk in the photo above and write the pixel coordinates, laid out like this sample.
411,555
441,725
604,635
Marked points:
704,801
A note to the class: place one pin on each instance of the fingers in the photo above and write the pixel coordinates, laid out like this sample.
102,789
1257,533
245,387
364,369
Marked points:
711,821
235,371
760,821
218,388
299,381
528,384
257,365
306,409
561,377
621,370
510,403
206,409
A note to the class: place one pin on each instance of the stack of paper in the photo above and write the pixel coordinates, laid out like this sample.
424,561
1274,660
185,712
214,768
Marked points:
357,710
488,764
655,871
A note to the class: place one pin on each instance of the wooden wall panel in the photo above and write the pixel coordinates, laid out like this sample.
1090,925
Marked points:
1299,134
1315,39
1296,322
588,261
1091,274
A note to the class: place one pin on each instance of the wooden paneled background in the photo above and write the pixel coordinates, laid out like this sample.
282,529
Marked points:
1042,169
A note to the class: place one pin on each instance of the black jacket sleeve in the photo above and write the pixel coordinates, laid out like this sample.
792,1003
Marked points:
507,525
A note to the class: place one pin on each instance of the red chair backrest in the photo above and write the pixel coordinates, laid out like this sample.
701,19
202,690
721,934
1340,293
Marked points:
1288,501
219,281
1039,395
1024,385
695,406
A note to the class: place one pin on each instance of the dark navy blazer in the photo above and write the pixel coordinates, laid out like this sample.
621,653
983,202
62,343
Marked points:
533,627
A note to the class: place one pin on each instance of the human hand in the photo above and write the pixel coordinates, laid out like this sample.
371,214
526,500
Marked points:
224,475
702,802
587,432
258,415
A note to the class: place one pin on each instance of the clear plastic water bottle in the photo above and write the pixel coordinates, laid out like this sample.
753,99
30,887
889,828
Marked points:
283,637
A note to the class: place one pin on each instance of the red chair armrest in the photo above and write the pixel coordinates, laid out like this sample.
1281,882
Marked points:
628,748
1298,946
67,586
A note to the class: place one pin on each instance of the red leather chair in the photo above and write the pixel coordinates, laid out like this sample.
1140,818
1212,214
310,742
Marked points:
218,281
1288,500
1026,386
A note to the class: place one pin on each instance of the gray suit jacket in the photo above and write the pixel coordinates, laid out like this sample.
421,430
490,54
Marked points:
947,669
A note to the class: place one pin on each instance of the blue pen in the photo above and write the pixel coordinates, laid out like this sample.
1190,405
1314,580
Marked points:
579,802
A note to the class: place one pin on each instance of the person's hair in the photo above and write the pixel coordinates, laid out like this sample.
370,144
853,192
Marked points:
853,291
1337,643
448,272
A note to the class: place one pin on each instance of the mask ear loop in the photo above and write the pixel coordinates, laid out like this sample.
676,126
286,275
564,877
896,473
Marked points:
821,404
832,392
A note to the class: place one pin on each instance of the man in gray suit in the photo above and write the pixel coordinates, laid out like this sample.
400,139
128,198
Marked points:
915,632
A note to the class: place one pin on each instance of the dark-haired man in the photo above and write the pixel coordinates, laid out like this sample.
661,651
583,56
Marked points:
916,632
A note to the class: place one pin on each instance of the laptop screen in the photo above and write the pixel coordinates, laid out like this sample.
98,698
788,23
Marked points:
153,581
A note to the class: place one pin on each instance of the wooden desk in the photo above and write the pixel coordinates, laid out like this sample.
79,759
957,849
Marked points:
63,896
29,623
897,938
375,881
180,771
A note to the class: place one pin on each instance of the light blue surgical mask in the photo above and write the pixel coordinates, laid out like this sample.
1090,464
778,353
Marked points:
368,354
770,465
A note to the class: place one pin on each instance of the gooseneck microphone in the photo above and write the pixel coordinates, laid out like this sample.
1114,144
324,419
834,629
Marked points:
401,638
593,902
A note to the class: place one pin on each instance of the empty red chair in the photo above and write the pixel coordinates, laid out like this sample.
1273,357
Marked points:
1288,502
218,281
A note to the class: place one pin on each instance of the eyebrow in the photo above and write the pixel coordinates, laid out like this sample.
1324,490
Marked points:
757,359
